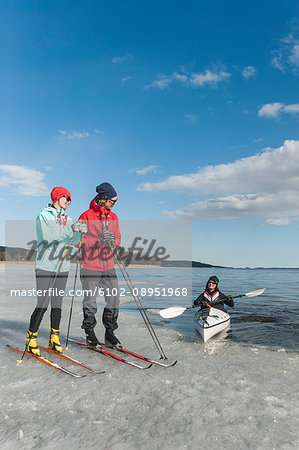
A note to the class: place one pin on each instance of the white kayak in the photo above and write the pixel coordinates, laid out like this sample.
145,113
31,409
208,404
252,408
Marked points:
211,322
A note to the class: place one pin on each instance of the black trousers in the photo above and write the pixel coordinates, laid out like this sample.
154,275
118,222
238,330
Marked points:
91,281
50,289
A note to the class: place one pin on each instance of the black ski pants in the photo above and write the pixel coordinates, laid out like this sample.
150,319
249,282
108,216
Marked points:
106,281
50,288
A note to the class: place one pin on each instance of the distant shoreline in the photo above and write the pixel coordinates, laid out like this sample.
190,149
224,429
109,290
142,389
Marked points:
32,263
153,266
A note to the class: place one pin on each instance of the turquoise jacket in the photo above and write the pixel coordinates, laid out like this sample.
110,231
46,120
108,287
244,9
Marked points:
54,232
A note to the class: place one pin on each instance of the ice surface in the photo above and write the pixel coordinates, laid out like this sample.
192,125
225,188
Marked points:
219,395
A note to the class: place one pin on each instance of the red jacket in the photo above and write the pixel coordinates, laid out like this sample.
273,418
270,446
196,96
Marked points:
97,256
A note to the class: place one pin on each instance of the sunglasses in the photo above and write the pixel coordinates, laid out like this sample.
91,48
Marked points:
68,198
112,201
211,282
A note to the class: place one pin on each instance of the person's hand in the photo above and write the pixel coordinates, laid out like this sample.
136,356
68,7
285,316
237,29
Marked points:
107,236
230,301
204,304
80,227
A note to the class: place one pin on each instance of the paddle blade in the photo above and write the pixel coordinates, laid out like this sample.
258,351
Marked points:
174,311
255,293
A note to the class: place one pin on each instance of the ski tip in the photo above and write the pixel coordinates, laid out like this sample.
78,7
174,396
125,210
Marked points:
174,363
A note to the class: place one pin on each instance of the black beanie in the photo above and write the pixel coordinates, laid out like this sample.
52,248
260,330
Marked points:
214,278
106,191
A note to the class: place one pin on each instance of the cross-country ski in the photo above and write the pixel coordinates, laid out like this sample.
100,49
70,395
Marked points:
110,355
69,358
47,362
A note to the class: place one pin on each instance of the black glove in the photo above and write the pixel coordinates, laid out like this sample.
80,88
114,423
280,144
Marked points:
230,301
107,236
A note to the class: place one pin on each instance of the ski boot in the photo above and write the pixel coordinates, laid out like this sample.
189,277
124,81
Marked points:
31,345
91,338
111,339
54,343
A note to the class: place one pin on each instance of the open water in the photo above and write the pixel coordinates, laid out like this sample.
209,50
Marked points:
270,320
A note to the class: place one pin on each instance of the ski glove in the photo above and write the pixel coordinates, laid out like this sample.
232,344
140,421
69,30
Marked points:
107,236
79,227
230,301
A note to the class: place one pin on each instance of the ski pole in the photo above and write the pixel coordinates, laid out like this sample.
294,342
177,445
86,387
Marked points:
52,284
73,296
138,302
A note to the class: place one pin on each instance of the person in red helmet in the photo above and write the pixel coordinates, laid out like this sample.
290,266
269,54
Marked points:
213,295
54,230
97,264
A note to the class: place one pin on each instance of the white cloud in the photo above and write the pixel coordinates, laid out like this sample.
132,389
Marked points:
121,59
179,77
125,79
195,80
273,110
294,56
73,134
98,131
208,77
145,170
270,110
264,185
162,82
23,180
287,54
191,118
239,205
291,109
278,222
77,135
248,71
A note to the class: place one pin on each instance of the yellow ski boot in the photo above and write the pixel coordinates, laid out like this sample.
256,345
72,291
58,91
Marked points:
54,343
31,345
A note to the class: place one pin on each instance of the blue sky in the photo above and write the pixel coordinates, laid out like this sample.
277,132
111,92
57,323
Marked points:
189,109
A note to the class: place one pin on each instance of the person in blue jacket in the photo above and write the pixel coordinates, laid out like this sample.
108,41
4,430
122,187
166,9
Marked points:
54,232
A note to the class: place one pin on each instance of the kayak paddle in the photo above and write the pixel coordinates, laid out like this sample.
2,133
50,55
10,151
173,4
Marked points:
175,311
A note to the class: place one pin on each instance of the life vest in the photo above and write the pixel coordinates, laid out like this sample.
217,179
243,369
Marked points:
211,297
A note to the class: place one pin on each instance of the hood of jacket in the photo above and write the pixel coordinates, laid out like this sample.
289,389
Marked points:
95,207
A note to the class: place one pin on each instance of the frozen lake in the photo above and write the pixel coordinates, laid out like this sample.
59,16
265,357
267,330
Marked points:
237,392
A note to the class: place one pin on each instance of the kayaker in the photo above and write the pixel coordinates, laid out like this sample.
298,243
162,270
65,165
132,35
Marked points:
212,296
54,231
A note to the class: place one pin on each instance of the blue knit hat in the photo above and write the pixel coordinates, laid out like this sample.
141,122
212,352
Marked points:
105,191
